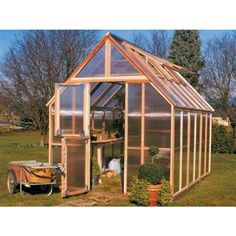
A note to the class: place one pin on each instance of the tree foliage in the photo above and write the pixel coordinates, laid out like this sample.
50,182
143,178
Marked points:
35,62
219,76
158,44
185,51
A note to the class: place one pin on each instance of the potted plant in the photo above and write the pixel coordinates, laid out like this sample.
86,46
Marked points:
153,151
165,196
152,173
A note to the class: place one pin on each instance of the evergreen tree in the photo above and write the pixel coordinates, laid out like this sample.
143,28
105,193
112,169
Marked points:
185,51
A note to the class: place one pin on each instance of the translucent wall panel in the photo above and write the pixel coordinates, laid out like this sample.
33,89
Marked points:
197,146
134,115
55,139
184,158
203,143
109,120
177,151
96,66
120,65
134,163
76,165
71,109
191,147
157,119
98,117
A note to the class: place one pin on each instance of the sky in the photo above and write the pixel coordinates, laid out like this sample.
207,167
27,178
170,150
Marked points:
7,37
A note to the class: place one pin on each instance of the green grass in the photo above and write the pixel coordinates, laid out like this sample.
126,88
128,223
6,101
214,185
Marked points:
218,189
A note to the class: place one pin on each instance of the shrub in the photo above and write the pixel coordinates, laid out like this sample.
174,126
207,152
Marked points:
165,193
153,173
139,193
222,141
153,150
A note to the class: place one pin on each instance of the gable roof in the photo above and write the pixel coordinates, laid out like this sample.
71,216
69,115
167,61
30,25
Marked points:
164,75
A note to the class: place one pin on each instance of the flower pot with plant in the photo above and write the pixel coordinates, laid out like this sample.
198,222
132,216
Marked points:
154,174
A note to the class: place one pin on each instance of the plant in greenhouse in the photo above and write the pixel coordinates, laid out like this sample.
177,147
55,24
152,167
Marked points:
165,196
139,193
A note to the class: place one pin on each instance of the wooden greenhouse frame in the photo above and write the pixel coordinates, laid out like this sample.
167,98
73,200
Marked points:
159,103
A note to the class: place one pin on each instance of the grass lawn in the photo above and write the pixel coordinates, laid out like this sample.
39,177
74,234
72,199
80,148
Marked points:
218,189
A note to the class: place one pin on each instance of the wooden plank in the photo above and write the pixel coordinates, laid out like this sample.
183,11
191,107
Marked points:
64,163
188,147
86,125
172,149
57,110
181,151
102,79
210,138
195,147
107,58
126,139
205,147
50,135
200,147
142,121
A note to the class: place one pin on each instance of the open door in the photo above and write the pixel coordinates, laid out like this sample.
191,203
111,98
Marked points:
72,124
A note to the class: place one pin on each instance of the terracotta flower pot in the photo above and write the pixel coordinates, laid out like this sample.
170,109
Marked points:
153,189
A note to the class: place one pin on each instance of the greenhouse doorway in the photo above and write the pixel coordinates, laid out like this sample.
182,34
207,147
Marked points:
107,117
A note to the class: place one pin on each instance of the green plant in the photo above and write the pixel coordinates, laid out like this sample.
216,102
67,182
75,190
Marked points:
153,173
222,139
153,150
139,193
95,168
165,193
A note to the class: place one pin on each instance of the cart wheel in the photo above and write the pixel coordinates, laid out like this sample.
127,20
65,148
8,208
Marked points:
11,181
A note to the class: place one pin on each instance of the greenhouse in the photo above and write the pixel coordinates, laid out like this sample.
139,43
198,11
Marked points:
120,101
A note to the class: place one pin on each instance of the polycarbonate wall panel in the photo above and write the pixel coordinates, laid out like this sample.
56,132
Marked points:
71,109
191,147
134,163
157,119
76,166
96,66
120,65
177,151
203,143
185,146
134,115
98,118
109,120
56,154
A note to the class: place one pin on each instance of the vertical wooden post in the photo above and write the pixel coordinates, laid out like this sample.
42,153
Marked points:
181,150
142,121
99,156
64,163
195,146
210,136
188,147
108,58
200,147
205,147
50,135
126,139
86,127
172,149
57,110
